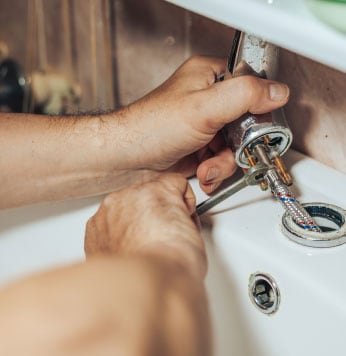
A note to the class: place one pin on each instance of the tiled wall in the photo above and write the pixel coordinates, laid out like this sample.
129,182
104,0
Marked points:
140,43
154,38
317,109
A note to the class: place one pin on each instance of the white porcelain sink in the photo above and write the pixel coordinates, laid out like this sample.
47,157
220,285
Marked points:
43,236
245,238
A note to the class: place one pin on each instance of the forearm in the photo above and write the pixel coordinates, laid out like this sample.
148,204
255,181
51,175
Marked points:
120,307
54,158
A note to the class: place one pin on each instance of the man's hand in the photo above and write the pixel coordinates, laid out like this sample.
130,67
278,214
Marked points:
149,219
151,223
141,291
175,128
177,125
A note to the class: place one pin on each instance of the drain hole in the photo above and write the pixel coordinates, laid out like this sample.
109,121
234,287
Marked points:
330,218
325,224
264,293
326,218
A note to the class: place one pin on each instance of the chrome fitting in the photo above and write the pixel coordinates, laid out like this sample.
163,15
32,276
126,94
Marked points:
331,219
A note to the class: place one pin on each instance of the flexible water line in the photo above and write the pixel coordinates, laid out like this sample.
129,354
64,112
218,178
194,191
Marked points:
287,199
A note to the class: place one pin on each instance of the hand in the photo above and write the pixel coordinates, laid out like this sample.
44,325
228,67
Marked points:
152,218
177,125
139,303
175,128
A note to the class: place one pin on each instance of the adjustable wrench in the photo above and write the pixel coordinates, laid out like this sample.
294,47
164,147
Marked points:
253,176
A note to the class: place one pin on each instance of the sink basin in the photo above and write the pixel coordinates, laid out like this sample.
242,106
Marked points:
42,236
245,238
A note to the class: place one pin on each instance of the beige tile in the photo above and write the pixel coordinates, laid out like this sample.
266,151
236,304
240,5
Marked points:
317,109
154,37
209,38
13,28
150,45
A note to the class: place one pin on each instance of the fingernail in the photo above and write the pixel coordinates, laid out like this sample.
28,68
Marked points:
278,92
212,174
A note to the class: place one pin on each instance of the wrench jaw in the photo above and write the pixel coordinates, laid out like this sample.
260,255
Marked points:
253,176
260,162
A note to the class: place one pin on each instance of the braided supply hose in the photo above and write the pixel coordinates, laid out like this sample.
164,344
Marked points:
284,195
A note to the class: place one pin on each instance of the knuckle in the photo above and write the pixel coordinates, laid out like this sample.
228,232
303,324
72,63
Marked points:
152,187
173,180
149,192
255,89
204,65
194,60
210,77
109,200
192,199
249,85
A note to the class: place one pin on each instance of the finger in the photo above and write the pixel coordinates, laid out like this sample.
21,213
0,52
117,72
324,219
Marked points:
187,166
214,171
233,97
210,188
190,199
196,220
217,65
205,69
173,181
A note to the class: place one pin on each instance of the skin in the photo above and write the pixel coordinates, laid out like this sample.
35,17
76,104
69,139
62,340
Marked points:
141,290
174,128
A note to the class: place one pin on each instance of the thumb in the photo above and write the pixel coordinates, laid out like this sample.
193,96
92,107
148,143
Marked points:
228,100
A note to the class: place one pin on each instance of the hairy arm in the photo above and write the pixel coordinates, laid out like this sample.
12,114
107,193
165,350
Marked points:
174,128
54,158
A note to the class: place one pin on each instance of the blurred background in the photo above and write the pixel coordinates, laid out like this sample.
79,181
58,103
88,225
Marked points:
77,56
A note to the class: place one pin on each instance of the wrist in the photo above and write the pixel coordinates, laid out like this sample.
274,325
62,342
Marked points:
113,140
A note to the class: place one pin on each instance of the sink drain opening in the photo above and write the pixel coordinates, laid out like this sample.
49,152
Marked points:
264,293
330,218
326,217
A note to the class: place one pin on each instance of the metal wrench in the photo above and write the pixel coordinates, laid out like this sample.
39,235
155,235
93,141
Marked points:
252,177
